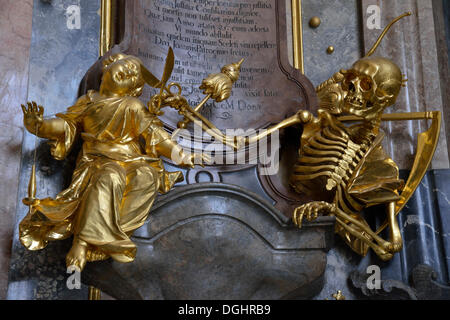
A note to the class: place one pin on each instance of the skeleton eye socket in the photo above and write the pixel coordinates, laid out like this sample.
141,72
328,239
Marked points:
366,84
350,76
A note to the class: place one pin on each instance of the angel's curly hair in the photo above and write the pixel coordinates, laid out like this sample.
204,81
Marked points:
133,67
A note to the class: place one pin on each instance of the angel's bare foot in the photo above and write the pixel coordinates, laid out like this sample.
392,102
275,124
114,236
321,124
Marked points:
95,255
77,254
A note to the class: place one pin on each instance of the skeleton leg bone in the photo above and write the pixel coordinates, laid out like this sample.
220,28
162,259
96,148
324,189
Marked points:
382,247
386,245
311,210
379,250
396,242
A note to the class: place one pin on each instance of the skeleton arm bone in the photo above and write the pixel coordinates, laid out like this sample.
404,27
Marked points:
302,117
382,247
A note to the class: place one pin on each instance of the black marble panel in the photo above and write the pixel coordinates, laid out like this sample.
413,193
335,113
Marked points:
425,227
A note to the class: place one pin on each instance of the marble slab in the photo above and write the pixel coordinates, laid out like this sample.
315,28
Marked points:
411,43
340,28
60,55
15,36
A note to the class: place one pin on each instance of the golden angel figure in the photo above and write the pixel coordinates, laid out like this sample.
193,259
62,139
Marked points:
118,171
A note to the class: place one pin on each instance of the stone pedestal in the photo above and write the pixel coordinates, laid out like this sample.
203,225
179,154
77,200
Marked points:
218,241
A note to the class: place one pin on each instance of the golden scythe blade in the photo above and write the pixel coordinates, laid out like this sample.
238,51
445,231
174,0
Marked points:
426,146
149,78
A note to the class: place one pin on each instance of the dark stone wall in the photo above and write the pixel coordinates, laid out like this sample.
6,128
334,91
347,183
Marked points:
446,5
59,58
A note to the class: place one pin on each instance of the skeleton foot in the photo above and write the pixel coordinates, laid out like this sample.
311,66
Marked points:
77,254
311,211
379,246
395,246
384,256
388,248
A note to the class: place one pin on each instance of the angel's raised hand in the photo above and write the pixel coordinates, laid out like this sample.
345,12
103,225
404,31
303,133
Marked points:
33,116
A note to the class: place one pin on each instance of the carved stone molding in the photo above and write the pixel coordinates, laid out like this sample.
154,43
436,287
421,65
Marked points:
424,286
427,288
389,289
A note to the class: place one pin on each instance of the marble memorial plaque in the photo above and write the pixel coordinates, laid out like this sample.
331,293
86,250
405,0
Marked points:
206,35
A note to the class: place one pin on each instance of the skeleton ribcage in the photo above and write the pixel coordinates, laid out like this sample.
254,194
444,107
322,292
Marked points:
325,166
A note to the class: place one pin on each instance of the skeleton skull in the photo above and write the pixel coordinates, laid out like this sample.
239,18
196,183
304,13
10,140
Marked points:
371,85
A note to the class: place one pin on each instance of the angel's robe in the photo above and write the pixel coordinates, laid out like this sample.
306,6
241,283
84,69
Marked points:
117,177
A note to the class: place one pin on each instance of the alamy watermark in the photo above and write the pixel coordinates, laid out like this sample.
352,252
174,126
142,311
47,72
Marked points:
74,280
73,17
374,17
374,280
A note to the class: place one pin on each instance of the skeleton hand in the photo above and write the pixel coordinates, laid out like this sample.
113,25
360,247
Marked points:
311,211
33,117
336,78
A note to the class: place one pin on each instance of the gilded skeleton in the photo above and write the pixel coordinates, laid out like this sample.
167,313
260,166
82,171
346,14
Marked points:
344,168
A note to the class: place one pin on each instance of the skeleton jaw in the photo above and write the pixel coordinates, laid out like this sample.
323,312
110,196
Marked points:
358,106
355,105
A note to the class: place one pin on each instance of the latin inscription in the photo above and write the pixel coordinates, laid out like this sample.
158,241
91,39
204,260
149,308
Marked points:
205,36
